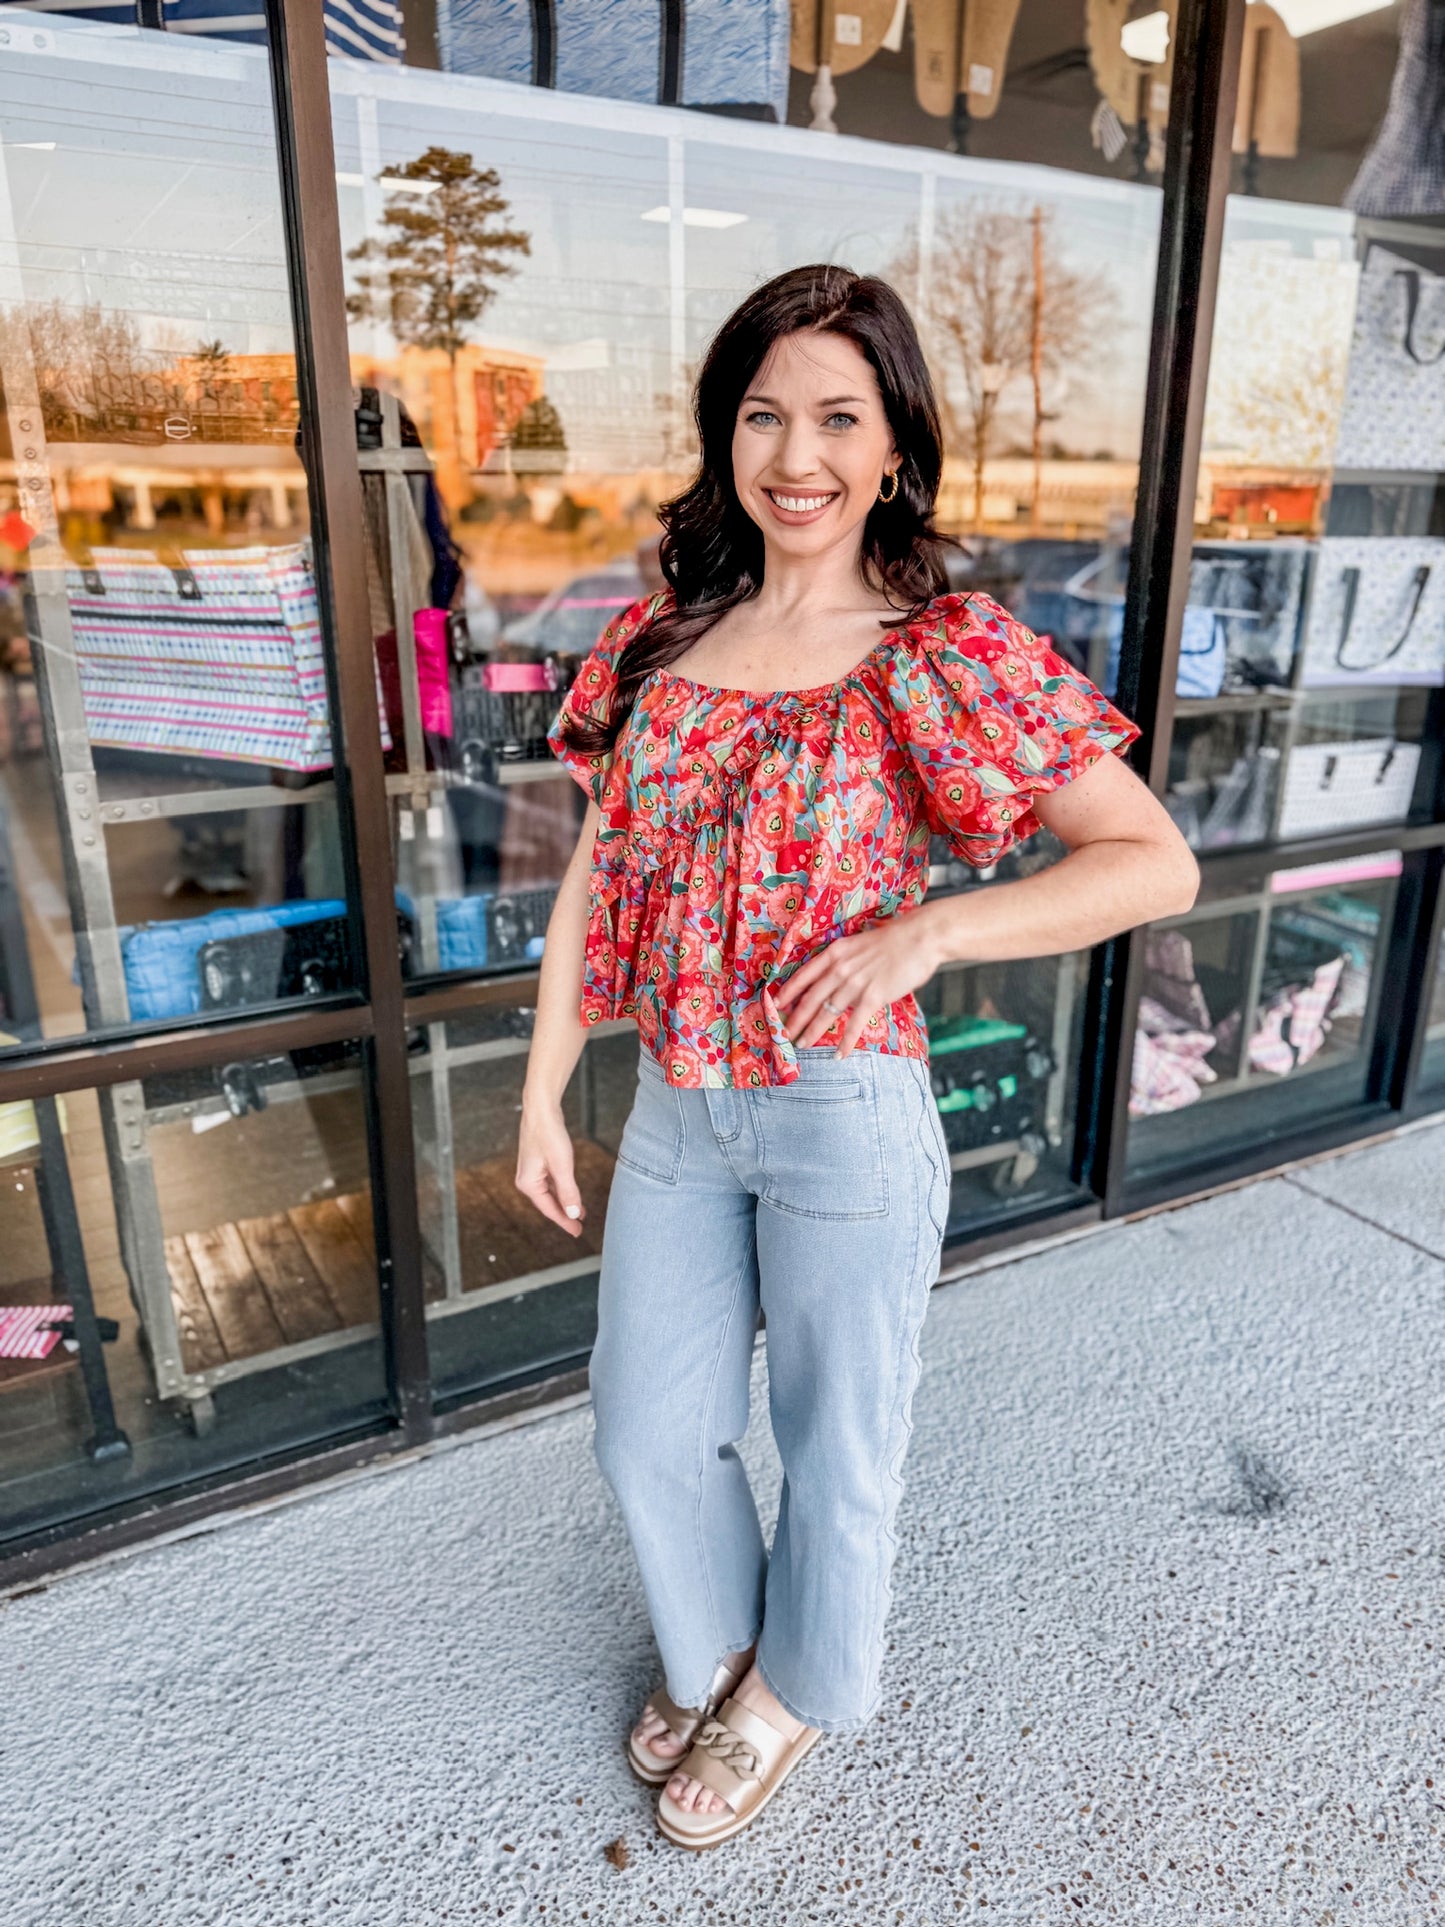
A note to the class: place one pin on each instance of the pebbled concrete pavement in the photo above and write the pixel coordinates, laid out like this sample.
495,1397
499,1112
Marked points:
1168,1641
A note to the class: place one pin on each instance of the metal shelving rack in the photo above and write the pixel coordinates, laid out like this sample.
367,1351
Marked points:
128,1117
1259,903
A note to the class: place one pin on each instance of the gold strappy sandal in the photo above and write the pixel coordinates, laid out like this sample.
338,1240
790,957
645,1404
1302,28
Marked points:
656,1769
742,1759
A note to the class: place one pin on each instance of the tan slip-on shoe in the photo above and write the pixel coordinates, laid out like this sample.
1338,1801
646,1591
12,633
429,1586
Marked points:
656,1769
744,1760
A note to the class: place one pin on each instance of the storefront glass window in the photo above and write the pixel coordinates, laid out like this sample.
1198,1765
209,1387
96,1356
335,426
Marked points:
1313,650
168,827
1259,1009
1312,661
188,1280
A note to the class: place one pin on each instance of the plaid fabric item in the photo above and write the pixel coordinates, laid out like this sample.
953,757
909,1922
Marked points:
21,1333
217,656
1169,1068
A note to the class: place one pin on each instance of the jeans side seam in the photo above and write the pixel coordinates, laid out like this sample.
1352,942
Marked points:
702,1433
907,1367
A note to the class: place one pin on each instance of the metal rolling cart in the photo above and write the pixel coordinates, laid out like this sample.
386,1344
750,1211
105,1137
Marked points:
188,1359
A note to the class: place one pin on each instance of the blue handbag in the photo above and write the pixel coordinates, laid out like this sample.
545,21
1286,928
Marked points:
162,960
1201,652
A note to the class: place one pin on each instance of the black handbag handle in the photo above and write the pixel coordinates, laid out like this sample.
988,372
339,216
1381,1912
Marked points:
544,43
1411,279
1421,583
187,587
669,69
1350,580
669,53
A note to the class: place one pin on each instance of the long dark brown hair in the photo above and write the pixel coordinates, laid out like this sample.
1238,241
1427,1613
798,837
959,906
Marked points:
712,550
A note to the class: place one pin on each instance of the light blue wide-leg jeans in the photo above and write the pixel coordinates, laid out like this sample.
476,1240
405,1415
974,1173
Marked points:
823,1203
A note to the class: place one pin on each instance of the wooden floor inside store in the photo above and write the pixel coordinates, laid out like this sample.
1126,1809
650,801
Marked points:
260,1283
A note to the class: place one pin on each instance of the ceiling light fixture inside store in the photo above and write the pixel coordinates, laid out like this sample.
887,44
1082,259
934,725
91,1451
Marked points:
1146,39
399,184
697,216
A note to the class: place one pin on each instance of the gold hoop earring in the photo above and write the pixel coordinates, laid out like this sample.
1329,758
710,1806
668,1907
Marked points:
893,477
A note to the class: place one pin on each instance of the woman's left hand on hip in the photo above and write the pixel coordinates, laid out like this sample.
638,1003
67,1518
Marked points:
860,974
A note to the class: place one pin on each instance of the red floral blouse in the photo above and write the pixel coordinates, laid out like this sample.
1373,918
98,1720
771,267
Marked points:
742,831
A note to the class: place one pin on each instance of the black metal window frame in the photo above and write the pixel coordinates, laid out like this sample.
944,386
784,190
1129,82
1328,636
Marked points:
1196,182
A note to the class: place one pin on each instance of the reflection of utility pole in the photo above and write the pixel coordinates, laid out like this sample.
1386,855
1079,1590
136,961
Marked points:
961,119
991,378
1036,361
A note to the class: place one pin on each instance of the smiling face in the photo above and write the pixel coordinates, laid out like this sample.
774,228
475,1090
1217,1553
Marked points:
812,445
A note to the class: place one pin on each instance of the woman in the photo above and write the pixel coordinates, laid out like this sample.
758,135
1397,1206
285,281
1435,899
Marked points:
767,745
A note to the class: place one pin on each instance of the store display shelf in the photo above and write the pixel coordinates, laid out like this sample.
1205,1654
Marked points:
285,1090
157,806
530,772
985,1154
1326,1059
150,809
1383,477
1238,702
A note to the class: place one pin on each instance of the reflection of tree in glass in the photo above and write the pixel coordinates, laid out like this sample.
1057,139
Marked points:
1004,312
432,274
99,381
538,444
94,376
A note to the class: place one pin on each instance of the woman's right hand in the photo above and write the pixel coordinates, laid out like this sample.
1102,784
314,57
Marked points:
545,1166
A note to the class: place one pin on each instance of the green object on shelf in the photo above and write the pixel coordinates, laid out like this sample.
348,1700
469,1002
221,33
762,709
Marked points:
970,1100
970,1033
950,1036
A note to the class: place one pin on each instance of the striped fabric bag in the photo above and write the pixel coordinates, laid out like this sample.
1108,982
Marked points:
22,1333
357,29
204,653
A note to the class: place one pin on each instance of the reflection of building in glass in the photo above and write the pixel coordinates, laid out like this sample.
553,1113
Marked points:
1075,498
493,387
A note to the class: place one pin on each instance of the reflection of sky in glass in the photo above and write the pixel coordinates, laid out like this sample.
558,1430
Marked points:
591,296
159,197
609,297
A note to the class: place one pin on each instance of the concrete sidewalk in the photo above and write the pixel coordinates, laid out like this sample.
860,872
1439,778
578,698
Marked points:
1168,1639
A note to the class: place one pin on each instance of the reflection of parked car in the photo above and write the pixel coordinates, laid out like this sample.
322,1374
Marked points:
573,617
1037,579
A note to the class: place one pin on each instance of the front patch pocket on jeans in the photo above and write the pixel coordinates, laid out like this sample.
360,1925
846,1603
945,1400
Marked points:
822,1149
654,1136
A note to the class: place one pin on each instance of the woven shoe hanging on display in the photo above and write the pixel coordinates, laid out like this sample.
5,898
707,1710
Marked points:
1134,92
960,54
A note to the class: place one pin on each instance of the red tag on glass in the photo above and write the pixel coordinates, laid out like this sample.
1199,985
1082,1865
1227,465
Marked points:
16,531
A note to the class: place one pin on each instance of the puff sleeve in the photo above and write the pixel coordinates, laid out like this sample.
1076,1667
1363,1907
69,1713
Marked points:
990,716
591,694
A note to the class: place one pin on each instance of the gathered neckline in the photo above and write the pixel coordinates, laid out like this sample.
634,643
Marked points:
776,695
816,690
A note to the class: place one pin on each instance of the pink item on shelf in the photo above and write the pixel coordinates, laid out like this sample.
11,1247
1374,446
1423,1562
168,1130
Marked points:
512,678
21,1330
433,671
